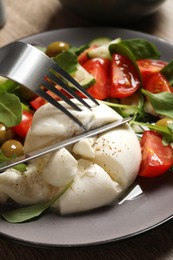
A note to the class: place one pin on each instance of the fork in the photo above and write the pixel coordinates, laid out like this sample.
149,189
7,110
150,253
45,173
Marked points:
33,69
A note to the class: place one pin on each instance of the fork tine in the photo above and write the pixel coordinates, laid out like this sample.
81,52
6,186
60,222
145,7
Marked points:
51,100
68,89
56,91
66,75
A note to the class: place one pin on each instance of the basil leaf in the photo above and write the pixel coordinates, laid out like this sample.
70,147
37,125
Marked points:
162,102
11,109
167,72
140,48
67,60
30,212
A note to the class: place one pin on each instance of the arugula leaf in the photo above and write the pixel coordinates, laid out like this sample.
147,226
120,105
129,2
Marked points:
11,109
67,60
80,49
136,111
162,102
141,49
20,167
165,131
111,104
3,158
23,214
167,72
8,85
124,50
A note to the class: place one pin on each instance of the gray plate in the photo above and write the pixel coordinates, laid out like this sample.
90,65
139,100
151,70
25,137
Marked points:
111,223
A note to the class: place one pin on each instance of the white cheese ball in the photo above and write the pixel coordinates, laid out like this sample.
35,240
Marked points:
92,188
118,152
60,168
25,188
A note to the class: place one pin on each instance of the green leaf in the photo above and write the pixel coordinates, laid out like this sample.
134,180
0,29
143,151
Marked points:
167,72
3,158
161,102
125,51
8,85
20,167
79,50
30,212
11,109
141,48
67,60
122,109
165,131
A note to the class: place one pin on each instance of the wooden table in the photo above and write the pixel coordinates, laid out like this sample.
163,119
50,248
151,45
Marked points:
29,17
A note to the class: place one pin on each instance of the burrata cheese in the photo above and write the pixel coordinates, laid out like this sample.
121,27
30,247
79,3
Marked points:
101,167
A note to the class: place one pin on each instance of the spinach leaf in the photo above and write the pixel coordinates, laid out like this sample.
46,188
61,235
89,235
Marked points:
167,72
162,102
67,60
23,214
11,109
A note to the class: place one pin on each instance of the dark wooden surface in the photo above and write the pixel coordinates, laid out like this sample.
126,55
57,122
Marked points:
24,18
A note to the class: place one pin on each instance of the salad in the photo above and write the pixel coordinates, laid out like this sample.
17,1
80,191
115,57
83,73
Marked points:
126,75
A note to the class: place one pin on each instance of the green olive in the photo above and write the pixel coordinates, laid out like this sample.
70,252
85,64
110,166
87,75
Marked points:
55,48
164,121
12,147
5,133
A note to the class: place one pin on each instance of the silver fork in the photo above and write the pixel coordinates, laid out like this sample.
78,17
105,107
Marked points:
31,68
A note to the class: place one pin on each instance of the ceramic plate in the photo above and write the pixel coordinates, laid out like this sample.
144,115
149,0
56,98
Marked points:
122,220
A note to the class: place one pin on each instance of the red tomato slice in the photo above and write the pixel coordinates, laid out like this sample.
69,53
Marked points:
157,83
99,68
124,77
22,128
148,67
156,157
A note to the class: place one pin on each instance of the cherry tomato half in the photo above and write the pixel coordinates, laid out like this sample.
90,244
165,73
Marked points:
125,79
99,68
158,83
156,157
148,67
22,128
